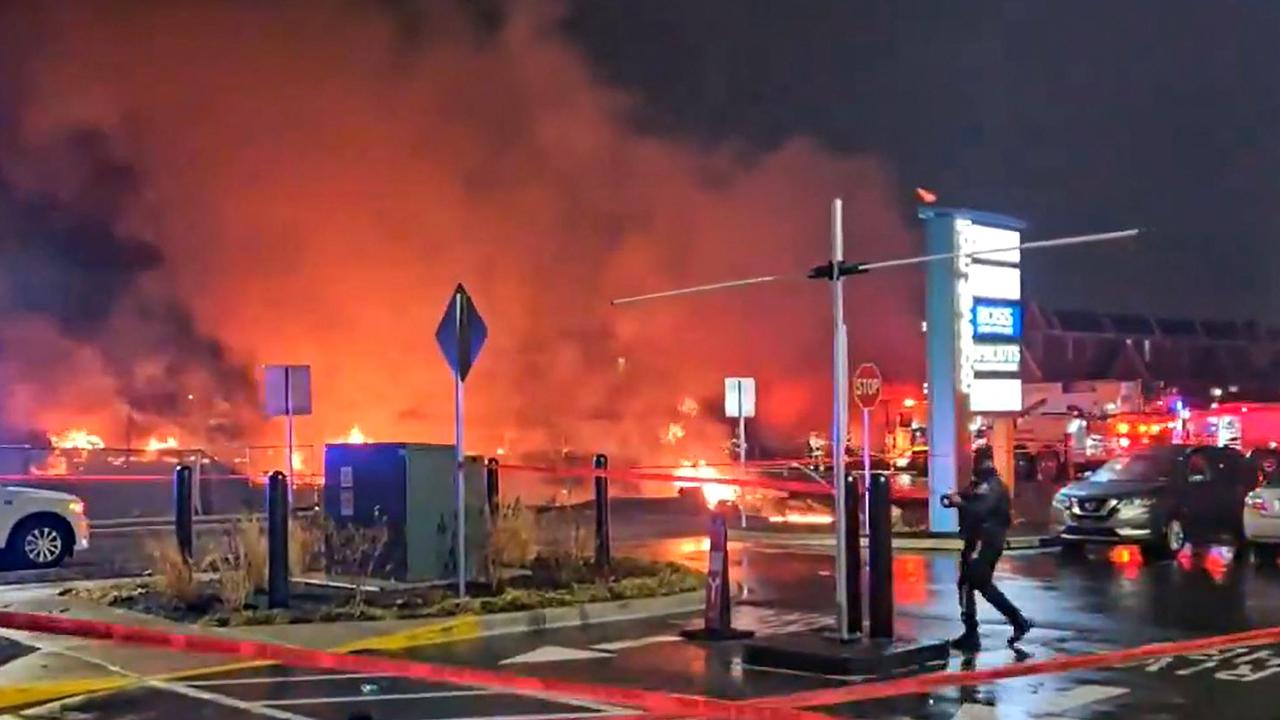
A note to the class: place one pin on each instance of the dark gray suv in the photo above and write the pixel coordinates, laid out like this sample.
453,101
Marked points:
1158,498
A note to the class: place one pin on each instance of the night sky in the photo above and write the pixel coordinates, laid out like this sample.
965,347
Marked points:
1079,116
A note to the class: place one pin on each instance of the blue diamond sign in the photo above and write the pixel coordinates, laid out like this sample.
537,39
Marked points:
461,333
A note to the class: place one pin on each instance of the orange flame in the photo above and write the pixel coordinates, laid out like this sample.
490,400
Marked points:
76,439
803,518
675,431
688,406
355,436
712,493
155,443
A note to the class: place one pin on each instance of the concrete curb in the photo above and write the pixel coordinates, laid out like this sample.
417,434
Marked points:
824,541
408,633
473,626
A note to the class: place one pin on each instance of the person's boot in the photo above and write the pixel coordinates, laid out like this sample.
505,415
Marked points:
968,641
1021,627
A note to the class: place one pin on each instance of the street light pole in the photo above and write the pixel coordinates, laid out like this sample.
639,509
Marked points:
839,416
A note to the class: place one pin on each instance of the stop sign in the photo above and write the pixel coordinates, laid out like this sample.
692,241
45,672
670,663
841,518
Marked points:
866,385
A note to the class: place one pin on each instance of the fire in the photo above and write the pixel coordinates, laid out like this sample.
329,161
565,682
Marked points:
803,518
675,431
76,439
355,436
688,407
155,443
713,493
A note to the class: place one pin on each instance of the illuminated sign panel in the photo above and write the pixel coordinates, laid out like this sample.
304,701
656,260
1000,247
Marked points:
996,320
988,316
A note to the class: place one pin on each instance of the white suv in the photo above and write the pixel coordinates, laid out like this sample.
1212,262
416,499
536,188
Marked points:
41,528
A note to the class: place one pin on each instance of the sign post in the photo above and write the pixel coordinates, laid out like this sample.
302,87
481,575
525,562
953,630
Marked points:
287,391
740,402
461,335
867,384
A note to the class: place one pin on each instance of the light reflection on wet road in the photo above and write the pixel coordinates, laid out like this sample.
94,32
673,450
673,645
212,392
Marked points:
1106,601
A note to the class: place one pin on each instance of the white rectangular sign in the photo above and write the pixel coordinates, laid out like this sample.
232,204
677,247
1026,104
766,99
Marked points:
740,397
997,358
995,395
997,282
988,317
286,390
996,245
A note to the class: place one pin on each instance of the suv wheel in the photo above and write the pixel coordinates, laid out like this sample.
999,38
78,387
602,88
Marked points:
40,543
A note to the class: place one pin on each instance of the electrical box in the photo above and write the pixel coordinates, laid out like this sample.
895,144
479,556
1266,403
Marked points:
409,487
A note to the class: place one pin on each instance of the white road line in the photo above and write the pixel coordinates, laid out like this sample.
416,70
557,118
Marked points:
543,716
190,692
373,697
1073,698
1081,695
638,642
282,679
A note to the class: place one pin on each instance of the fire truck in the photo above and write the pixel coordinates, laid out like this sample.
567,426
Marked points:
1071,428
1241,425
1065,429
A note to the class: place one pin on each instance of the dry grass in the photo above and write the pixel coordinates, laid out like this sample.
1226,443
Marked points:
357,551
306,543
563,531
249,536
174,577
512,533
511,536
239,562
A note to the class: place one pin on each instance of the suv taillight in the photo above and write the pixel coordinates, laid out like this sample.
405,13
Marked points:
1256,501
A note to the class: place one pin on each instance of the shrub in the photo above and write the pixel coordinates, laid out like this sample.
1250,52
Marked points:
306,543
175,579
239,562
511,539
357,551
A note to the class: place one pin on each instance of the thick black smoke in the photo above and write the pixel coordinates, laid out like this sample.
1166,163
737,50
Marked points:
65,261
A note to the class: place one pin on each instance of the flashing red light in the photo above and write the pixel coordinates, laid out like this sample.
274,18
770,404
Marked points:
925,196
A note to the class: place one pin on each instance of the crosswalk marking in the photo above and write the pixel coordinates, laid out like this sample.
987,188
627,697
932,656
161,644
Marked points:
638,642
1059,702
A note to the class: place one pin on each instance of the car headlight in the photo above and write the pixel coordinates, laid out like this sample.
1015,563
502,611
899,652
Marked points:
1062,501
1138,502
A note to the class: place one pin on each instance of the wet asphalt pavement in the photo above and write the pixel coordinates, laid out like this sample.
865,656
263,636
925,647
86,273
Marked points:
1103,602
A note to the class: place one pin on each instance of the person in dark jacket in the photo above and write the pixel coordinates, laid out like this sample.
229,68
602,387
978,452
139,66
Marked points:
984,523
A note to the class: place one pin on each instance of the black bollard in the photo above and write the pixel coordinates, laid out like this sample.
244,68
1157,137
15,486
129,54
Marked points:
183,511
604,554
491,487
853,554
278,540
879,558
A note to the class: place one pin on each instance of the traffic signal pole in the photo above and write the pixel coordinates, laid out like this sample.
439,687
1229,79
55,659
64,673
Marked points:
840,430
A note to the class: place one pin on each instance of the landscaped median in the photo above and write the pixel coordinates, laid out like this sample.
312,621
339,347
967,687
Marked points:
342,603
545,584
